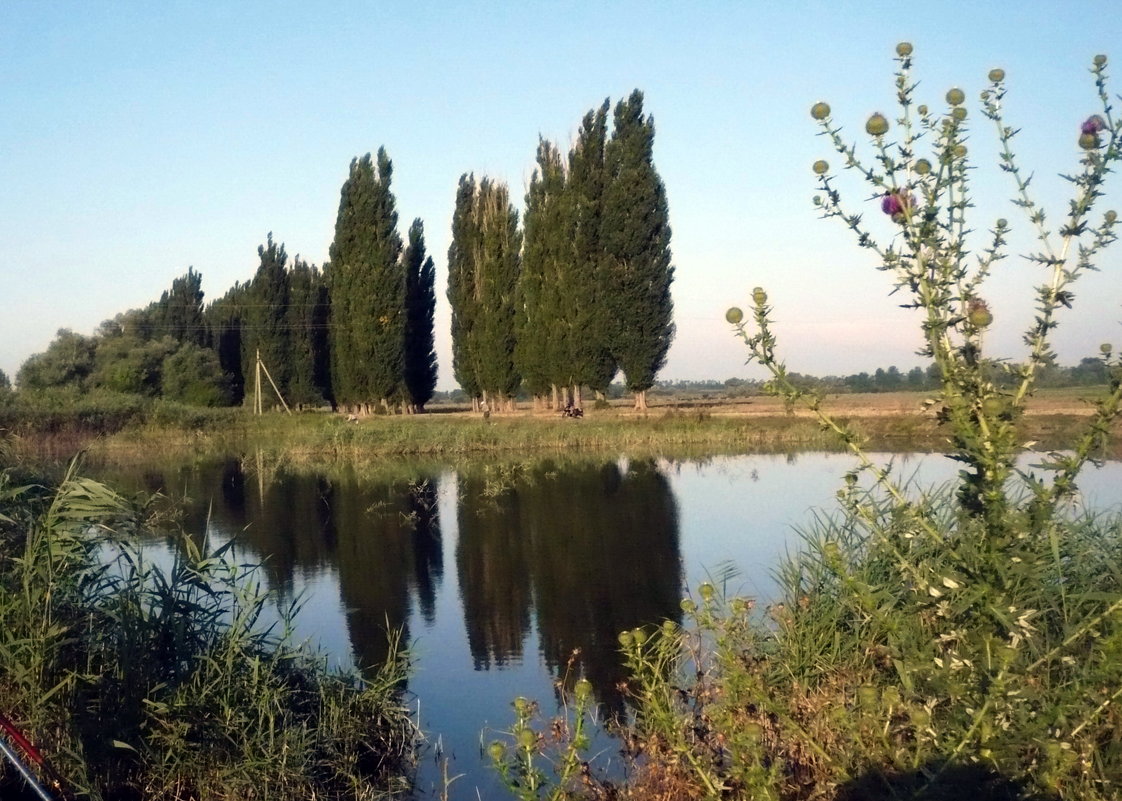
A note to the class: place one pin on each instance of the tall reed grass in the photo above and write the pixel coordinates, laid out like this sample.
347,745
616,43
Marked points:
155,681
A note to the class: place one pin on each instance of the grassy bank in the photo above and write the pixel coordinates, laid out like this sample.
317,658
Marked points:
160,682
886,422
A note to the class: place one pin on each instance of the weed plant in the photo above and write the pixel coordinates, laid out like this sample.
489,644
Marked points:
143,681
928,643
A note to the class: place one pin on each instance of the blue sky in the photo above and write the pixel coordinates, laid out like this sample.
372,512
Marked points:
142,138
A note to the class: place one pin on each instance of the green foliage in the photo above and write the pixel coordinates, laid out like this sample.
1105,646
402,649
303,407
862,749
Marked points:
307,319
420,307
67,362
367,287
265,317
5,383
179,312
542,331
164,682
127,364
635,234
928,644
192,375
461,284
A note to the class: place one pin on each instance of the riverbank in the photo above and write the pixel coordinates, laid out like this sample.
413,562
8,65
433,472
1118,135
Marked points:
886,421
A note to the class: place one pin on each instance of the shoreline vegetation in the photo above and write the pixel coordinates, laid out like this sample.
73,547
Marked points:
141,680
887,421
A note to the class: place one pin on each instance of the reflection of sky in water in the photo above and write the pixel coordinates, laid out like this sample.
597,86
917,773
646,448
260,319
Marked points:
738,510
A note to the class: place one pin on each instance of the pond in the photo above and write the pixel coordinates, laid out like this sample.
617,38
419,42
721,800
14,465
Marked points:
507,578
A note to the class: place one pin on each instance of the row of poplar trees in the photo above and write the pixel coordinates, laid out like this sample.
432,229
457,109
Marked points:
583,290
357,333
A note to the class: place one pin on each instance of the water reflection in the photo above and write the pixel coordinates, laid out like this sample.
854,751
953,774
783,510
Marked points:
592,548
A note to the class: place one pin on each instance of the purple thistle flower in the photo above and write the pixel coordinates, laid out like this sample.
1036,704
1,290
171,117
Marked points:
895,203
1093,124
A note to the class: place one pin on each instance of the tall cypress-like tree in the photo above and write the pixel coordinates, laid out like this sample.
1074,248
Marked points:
462,285
224,332
497,263
635,239
590,326
179,311
367,286
420,307
307,322
265,325
542,347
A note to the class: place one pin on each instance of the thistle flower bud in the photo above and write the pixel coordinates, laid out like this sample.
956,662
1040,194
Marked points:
867,696
993,407
1093,124
734,315
527,739
625,639
922,167
753,732
759,297
707,591
890,696
960,151
1089,141
1105,348
496,751
978,314
582,690
1002,222
997,75
922,110
687,605
896,204
1099,60
820,110
904,49
522,706
919,717
1111,216
959,113
876,125
821,167
639,636
956,97
669,628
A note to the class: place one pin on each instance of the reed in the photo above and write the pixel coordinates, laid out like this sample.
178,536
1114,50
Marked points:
155,681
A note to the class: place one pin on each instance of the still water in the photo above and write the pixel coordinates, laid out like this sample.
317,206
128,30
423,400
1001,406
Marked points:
505,579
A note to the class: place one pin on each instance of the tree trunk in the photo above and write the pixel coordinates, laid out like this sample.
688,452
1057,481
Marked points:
578,400
555,402
641,401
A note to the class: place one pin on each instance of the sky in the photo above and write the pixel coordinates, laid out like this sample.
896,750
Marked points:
138,139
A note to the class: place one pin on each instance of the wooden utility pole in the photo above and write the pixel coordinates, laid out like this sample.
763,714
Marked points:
257,401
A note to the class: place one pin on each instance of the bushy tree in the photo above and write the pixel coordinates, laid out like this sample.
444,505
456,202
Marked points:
420,307
126,363
224,332
193,375
306,322
67,362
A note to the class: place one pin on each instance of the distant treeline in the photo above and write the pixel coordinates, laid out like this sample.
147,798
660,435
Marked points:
1089,372
579,294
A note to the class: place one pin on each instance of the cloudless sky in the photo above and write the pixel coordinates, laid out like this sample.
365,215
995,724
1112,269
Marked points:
137,139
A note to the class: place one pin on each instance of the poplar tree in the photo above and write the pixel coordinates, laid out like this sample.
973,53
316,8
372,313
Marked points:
497,265
307,326
265,326
462,285
367,288
635,239
541,350
179,311
224,332
585,309
420,307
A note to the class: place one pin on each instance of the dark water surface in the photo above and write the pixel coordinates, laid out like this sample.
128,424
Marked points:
505,579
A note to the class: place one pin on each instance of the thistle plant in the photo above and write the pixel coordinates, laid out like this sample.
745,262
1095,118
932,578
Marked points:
963,638
920,172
